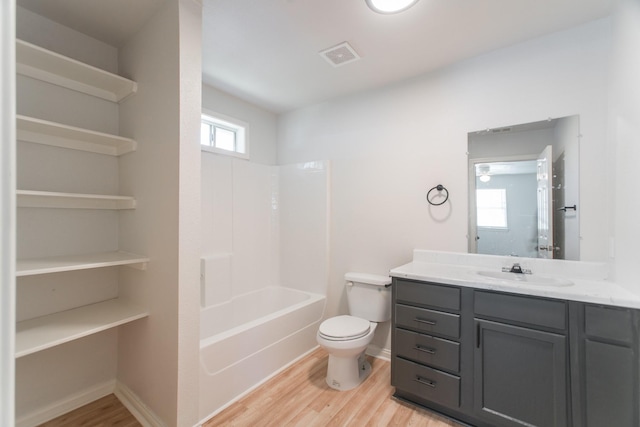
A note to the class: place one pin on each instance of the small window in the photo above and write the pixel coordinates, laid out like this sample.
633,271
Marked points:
224,135
492,207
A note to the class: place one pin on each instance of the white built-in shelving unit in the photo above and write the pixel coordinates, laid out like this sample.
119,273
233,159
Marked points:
42,64
50,330
49,199
44,332
58,135
58,264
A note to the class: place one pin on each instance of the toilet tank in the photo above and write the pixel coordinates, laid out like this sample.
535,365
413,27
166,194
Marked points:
369,296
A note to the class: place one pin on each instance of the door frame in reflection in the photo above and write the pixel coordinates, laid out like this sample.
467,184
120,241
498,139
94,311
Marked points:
473,227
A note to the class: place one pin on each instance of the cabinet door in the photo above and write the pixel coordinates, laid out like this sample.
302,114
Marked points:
519,376
609,385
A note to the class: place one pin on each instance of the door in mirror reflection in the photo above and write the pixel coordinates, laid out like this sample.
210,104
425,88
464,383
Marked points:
544,203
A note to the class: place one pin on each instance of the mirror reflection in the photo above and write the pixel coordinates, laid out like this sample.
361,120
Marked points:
524,189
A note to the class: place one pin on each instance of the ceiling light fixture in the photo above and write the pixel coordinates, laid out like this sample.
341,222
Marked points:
483,172
390,6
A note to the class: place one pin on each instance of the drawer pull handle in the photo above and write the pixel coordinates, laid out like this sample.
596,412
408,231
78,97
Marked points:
425,321
425,381
425,349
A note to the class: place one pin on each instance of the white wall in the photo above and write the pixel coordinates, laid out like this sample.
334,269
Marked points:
190,38
388,147
51,35
624,139
157,357
7,213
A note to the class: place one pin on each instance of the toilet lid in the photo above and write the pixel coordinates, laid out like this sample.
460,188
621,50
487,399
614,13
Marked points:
344,328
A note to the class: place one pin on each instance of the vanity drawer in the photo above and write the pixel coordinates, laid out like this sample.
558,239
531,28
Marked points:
425,320
433,351
608,323
427,383
530,310
427,294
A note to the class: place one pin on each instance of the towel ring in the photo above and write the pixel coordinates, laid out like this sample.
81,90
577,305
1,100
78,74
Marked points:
440,188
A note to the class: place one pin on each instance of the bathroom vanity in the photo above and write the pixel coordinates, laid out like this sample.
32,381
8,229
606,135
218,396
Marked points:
493,353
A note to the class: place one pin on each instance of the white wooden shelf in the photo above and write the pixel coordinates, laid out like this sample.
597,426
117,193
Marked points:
48,199
34,266
42,64
58,135
44,332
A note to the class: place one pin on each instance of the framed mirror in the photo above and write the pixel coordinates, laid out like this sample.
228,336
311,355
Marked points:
524,190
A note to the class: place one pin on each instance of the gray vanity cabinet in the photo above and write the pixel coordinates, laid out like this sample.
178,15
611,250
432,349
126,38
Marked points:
495,359
606,376
520,360
426,345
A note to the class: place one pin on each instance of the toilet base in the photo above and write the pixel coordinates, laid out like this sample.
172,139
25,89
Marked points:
345,373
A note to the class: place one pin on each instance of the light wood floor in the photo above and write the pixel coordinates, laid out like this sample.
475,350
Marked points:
104,412
299,396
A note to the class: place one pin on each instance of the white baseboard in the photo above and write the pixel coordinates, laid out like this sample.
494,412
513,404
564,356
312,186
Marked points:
136,406
380,353
69,403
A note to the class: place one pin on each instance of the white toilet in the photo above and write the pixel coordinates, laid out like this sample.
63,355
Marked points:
346,338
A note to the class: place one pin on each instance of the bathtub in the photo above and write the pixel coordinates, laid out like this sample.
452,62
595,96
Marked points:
248,339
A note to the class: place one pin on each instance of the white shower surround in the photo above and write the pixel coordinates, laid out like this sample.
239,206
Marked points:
268,227
271,220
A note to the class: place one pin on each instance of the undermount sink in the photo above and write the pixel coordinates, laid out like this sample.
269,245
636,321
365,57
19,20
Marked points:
528,279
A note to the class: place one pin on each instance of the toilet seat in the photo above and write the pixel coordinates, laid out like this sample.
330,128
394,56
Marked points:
344,328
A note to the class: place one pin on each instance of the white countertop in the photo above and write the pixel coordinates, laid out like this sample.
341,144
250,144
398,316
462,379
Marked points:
455,271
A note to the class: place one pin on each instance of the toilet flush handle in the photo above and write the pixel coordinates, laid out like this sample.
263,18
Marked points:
349,284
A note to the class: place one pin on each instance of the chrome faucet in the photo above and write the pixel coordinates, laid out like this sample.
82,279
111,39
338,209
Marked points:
516,268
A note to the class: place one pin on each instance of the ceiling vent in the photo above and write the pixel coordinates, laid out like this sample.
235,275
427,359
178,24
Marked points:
340,54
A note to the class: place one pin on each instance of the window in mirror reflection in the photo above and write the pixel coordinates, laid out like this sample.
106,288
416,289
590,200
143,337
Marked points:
492,208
